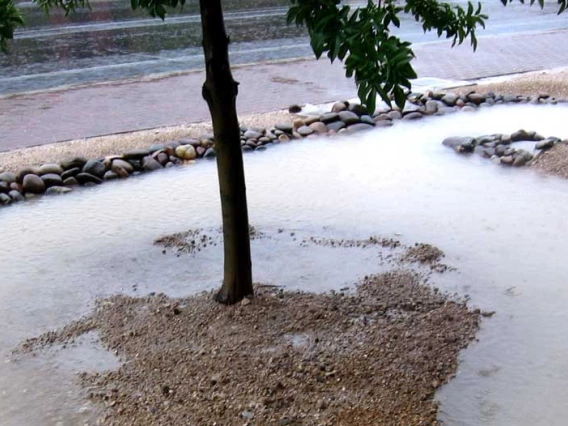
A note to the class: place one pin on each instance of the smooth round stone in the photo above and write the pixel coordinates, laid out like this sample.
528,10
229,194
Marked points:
169,164
409,107
522,157
318,127
57,190
247,148
545,144
357,109
124,165
110,175
4,187
50,169
384,123
150,164
33,184
26,171
367,119
450,99
120,172
305,131
459,143
252,134
210,153
8,177
135,154
500,150
381,117
16,196
468,108
70,181
107,161
412,116
95,168
260,148
358,127
510,99
75,162
329,117
200,151
476,98
521,135
431,106
507,160
338,107
394,115
445,110
162,157
294,109
284,138
336,126
52,179
348,117
207,142
5,199
186,152
311,119
284,127
87,178
70,173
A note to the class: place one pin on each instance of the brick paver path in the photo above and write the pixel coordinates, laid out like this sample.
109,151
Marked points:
112,108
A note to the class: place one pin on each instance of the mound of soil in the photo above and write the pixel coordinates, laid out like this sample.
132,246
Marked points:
554,161
375,357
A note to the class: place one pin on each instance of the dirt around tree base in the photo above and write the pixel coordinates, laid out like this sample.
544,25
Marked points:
375,357
554,161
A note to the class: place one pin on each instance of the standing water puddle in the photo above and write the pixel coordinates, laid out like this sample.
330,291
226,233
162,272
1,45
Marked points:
504,229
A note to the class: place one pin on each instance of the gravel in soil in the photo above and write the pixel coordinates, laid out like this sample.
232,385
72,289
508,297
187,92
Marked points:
374,357
190,241
553,161
101,146
529,84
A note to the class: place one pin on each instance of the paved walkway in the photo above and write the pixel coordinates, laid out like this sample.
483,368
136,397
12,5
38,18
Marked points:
42,118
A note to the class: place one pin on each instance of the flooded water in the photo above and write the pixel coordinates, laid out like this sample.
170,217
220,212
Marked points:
504,229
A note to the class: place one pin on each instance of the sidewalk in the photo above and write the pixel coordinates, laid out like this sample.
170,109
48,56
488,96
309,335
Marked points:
48,117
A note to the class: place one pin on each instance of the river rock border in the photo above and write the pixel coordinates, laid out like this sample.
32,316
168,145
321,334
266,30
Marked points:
499,147
344,118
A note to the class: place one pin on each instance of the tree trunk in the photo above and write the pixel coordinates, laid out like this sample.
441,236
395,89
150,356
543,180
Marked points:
220,91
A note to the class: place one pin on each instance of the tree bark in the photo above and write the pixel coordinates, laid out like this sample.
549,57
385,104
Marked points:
220,91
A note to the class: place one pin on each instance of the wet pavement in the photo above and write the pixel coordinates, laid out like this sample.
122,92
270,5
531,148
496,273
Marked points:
115,45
